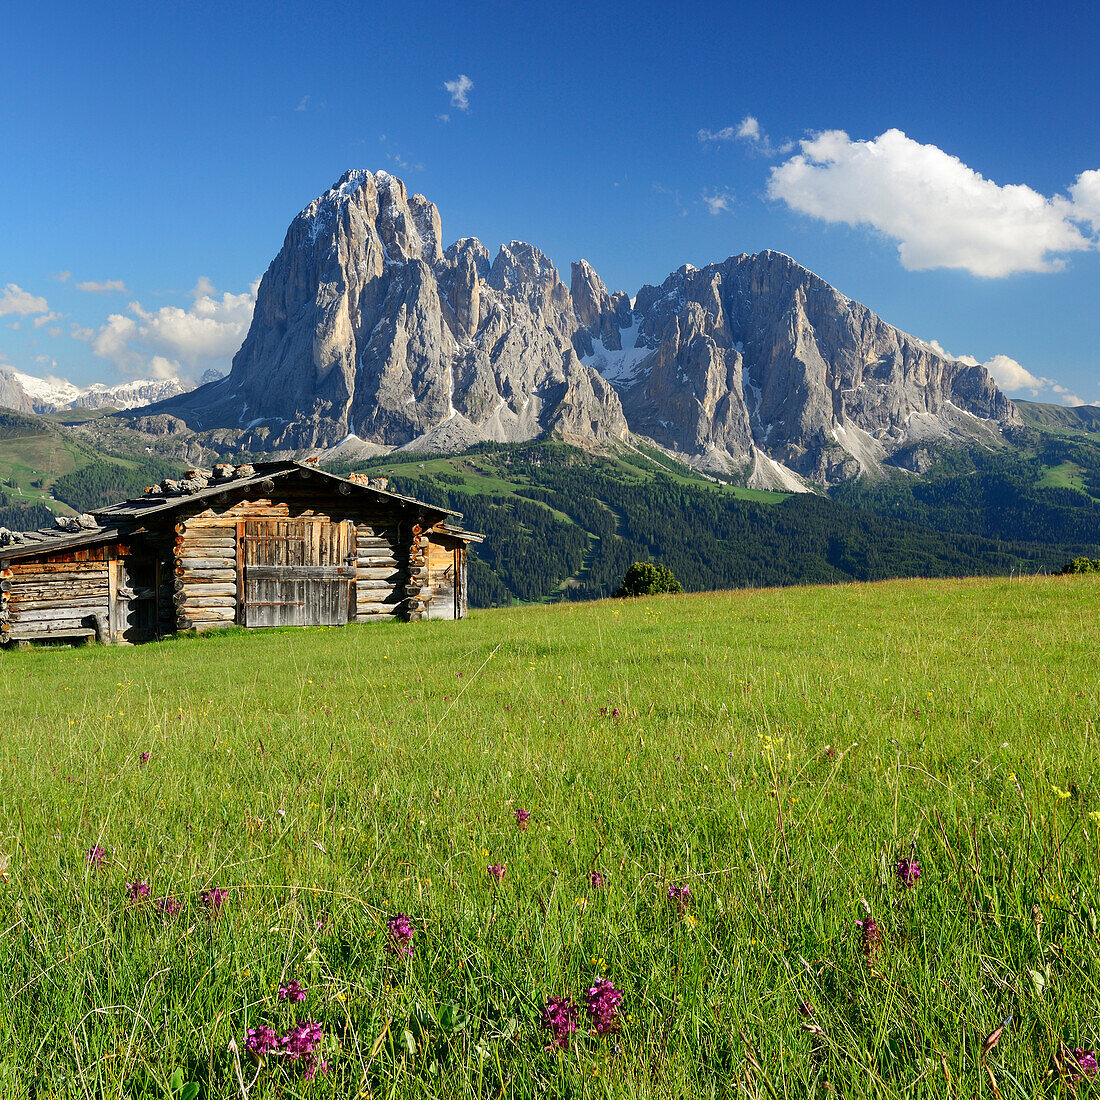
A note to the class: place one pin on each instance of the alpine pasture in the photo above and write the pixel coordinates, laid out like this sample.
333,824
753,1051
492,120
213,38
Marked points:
616,849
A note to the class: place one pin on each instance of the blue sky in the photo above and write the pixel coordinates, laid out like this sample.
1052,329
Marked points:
938,165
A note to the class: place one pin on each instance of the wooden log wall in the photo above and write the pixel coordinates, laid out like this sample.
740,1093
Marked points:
418,589
204,590
380,570
62,596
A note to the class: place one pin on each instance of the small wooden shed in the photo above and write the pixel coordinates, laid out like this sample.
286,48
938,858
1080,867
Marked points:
270,544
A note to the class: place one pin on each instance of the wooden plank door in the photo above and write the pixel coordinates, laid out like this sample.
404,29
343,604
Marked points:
297,572
133,606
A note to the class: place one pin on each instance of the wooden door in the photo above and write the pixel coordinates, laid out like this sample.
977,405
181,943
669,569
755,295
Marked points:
133,611
297,572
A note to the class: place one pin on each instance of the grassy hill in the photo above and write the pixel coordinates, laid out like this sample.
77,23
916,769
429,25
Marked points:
565,524
47,470
775,752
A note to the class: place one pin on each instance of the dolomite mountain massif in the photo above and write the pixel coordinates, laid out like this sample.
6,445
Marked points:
368,335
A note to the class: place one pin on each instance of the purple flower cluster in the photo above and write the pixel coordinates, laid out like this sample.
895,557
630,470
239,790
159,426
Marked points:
679,896
522,817
145,758
1085,1064
559,1017
262,1040
497,870
214,899
597,880
401,936
870,936
137,891
299,1045
95,855
292,991
602,1004
908,872
168,905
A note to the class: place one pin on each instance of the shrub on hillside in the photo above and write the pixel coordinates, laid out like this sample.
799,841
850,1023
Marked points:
645,578
1082,565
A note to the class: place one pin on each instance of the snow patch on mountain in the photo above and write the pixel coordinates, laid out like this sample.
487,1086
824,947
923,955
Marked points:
49,395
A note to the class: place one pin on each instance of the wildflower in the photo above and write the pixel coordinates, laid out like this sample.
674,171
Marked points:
214,899
137,890
602,1004
559,1017
497,870
313,1066
1081,1064
908,872
96,855
679,896
805,1008
145,758
292,991
262,1040
522,817
870,936
168,906
1058,791
302,1039
401,936
597,880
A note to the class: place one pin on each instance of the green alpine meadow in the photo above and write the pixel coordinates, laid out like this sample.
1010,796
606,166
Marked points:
819,841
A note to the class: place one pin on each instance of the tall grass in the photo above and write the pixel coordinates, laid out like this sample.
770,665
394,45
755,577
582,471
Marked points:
778,752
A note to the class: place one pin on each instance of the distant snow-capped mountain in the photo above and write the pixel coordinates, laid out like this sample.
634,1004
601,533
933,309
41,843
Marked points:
28,393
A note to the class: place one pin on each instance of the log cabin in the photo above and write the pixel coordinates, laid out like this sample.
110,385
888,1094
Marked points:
269,544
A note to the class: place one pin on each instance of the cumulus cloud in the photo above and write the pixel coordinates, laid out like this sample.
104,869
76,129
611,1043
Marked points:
1013,377
108,286
941,212
14,299
48,319
62,276
459,90
172,341
718,201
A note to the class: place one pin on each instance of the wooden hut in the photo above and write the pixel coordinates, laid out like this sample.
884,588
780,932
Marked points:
274,544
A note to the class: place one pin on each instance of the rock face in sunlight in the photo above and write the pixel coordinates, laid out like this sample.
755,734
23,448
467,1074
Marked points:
365,327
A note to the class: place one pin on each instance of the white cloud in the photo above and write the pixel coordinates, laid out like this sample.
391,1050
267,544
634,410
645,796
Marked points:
303,104
108,286
460,91
727,133
62,276
749,131
718,201
172,341
48,319
941,212
14,299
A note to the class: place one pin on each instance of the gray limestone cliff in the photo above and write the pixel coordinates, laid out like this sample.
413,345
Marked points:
365,327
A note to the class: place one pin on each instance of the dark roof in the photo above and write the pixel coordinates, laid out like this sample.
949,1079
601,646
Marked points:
49,540
265,471
118,519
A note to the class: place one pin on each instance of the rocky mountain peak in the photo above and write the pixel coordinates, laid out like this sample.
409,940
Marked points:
364,327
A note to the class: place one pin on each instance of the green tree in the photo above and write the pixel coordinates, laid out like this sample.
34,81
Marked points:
646,578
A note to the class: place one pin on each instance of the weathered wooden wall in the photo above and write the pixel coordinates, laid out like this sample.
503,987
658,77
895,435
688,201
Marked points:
62,595
205,585
381,567
209,587
442,578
